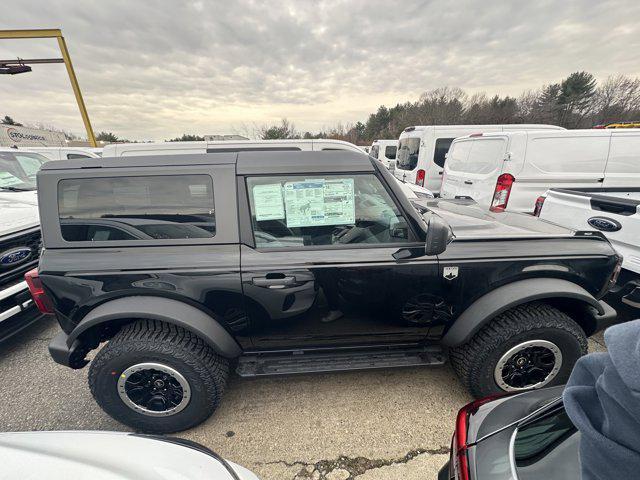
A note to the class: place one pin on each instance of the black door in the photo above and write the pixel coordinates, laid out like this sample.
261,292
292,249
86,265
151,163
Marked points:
322,271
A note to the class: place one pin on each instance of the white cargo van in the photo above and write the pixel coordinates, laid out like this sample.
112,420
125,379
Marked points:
63,153
422,149
385,151
169,148
508,171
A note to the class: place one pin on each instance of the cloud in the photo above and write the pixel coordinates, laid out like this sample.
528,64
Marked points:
157,69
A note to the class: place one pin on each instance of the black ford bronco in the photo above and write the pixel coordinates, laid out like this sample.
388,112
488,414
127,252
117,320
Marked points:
289,262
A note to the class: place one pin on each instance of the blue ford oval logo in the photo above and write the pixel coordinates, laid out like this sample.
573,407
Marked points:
15,256
604,224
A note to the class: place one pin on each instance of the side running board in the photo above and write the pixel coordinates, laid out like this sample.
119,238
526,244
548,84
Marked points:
253,365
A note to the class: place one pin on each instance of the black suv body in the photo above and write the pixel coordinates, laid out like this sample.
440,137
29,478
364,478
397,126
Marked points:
285,262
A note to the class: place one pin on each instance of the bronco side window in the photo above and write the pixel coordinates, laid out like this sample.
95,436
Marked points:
300,211
136,208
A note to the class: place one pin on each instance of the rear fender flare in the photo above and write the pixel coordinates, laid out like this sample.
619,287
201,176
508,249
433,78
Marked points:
497,301
165,310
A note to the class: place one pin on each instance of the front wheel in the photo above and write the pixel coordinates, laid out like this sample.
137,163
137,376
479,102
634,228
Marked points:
157,378
530,346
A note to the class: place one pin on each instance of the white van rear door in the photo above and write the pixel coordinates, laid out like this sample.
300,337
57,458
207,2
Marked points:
453,177
476,178
623,166
436,165
484,166
407,159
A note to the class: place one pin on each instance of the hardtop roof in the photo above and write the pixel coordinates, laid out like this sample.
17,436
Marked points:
263,162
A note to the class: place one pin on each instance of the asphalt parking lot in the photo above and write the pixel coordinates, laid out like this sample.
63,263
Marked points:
385,424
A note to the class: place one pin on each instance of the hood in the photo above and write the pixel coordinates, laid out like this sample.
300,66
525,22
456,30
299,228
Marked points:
468,220
19,211
109,455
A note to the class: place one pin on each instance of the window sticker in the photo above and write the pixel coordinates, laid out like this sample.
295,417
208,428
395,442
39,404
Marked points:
8,180
339,201
315,202
268,202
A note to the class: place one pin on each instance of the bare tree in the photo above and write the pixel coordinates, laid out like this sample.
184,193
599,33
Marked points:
617,99
286,129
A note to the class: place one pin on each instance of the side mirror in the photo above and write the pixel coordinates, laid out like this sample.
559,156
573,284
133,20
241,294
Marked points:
438,235
398,228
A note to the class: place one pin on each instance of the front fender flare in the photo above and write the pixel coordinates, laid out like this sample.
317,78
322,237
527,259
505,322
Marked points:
497,301
165,310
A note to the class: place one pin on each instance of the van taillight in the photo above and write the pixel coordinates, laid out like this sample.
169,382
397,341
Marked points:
502,192
420,174
538,206
40,297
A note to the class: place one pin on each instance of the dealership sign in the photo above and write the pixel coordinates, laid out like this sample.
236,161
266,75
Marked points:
13,135
17,136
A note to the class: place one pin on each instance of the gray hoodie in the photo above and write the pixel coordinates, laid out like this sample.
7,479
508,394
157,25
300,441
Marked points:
602,398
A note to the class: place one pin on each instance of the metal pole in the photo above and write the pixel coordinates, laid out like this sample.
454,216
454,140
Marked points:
76,90
31,61
38,33
57,33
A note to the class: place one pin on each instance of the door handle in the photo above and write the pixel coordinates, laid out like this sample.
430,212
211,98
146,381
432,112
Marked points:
468,182
282,282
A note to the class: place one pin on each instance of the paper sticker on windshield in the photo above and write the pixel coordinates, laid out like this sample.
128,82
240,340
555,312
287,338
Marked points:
315,202
8,180
268,202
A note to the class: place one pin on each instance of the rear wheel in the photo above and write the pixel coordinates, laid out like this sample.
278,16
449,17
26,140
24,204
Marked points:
156,377
530,346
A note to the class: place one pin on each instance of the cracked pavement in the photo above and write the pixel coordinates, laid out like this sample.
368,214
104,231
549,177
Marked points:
369,425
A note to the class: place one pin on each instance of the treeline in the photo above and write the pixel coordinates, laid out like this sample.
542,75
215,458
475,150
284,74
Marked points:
578,101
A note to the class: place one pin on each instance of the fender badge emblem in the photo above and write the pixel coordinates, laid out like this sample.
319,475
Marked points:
450,273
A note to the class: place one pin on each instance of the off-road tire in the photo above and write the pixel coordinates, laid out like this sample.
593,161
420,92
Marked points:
179,349
475,361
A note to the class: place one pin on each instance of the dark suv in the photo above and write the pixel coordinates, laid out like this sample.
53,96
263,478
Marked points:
289,262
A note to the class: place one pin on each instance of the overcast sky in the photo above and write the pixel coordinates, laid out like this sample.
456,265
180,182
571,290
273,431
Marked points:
157,69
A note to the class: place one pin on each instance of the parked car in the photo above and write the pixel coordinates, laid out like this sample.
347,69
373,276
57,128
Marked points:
527,436
63,153
385,151
508,171
422,149
616,213
111,455
19,238
309,262
176,148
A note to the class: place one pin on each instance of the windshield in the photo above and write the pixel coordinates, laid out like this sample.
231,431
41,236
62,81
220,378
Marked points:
547,448
408,149
18,170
